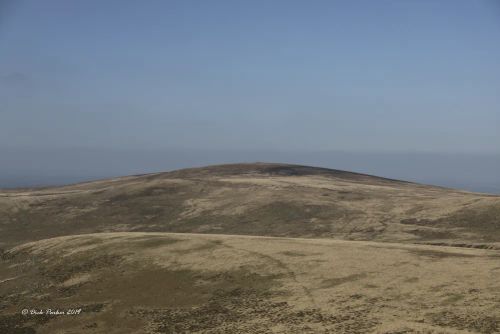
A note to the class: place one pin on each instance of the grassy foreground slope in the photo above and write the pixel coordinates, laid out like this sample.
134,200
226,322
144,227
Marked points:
255,199
129,282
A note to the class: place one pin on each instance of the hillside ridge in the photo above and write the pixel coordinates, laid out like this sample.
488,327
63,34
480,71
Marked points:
247,168
265,199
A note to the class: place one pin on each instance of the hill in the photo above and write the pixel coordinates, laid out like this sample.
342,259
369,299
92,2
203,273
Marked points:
255,199
249,248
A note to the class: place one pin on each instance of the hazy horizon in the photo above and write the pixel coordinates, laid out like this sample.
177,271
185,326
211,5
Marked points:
416,83
473,172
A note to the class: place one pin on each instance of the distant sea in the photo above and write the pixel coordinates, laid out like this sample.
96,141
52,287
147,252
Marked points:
36,168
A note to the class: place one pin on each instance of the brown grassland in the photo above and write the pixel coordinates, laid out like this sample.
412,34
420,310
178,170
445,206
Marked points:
250,248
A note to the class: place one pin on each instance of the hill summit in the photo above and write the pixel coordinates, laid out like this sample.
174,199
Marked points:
264,199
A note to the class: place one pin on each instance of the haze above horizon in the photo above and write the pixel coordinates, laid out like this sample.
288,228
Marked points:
386,76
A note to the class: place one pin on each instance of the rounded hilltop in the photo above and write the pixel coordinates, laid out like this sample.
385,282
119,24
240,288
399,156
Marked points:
264,199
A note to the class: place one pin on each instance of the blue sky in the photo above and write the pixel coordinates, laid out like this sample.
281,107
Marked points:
405,76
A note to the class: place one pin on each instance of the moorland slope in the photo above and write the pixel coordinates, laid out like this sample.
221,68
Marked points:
255,199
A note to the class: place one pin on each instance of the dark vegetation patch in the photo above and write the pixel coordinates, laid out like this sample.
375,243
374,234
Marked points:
415,221
433,233
436,254
80,213
153,241
332,282
22,324
272,169
483,221
149,205
466,321
411,280
462,245
452,298
243,303
294,253
93,308
5,255
350,196
87,241
290,219
207,246
282,219
63,268
147,287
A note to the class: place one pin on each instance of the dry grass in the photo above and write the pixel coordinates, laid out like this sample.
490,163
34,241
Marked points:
256,199
264,248
171,283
